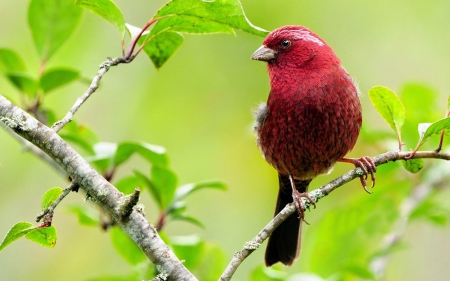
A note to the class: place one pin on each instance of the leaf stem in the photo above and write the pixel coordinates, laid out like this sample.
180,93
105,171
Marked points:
129,55
48,212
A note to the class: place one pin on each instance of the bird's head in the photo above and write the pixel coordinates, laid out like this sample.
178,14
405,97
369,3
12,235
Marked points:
295,47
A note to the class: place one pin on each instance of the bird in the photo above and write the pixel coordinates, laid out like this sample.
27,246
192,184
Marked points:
311,120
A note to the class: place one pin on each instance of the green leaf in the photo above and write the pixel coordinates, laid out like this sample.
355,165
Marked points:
126,247
448,103
162,46
86,215
432,211
10,61
188,248
195,16
57,77
154,191
43,236
51,23
432,129
165,182
103,155
80,135
106,9
359,271
127,185
413,165
262,273
389,107
154,154
187,189
214,259
50,196
18,230
186,218
23,82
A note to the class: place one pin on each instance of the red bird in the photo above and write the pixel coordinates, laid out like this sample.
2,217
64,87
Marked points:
311,120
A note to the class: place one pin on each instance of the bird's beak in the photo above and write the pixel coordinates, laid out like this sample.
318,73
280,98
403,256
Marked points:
264,54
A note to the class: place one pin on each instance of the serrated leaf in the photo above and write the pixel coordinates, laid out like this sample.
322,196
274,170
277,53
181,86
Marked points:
50,196
194,16
162,46
57,77
126,247
23,82
51,23
413,165
46,236
10,61
165,182
154,154
86,215
432,129
389,107
187,189
18,230
107,10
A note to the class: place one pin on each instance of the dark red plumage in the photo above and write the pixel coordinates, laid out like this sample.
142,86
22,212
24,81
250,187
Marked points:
311,120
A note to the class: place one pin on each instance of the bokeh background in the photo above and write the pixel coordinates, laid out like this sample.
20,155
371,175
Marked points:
198,106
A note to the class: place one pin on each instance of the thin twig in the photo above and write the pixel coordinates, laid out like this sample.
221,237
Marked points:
104,67
316,194
52,207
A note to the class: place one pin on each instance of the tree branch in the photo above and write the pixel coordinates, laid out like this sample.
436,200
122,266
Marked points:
104,67
316,194
82,174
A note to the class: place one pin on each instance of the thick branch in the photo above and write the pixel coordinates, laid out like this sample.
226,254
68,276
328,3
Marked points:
82,174
316,194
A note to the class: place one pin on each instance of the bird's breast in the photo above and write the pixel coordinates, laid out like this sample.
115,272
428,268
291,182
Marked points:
306,132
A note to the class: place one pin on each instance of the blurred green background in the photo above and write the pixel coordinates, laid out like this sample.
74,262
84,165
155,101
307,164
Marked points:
198,106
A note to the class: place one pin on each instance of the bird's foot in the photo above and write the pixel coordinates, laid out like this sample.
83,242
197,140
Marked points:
367,165
297,196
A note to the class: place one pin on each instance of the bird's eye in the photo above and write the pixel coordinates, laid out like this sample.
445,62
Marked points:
285,43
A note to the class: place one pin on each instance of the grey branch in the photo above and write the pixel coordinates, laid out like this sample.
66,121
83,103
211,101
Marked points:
104,67
82,174
316,194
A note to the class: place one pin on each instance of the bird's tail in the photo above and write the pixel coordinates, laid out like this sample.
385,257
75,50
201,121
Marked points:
284,243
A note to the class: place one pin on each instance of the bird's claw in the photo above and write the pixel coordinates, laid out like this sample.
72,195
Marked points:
297,196
367,165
